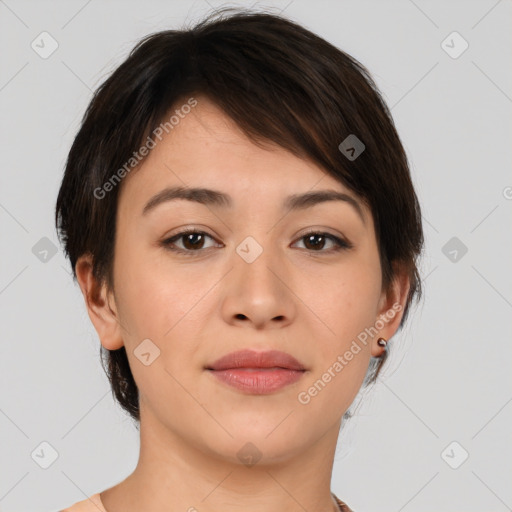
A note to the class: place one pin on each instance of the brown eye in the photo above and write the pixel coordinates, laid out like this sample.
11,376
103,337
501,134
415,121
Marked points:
189,241
193,241
316,242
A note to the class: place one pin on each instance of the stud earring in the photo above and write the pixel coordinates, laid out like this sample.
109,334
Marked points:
382,342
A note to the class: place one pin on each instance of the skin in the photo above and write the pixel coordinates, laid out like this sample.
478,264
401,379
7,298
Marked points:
306,300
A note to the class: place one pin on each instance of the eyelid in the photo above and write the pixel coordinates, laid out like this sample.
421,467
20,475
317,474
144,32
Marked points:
190,229
319,230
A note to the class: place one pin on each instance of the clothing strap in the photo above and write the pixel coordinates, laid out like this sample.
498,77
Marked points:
343,507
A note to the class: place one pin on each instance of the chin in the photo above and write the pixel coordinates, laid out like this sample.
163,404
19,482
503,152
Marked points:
261,440
258,451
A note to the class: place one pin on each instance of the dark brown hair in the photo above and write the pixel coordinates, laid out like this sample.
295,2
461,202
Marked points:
280,83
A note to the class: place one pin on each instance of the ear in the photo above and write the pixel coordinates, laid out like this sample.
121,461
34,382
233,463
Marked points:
391,307
97,299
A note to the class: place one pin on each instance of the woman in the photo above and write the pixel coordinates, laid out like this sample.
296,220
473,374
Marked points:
238,211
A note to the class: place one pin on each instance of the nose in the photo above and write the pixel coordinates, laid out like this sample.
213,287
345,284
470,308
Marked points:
259,294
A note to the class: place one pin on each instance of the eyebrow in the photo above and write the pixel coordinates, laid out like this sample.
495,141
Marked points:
211,197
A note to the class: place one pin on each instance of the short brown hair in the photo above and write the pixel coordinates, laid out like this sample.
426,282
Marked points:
279,82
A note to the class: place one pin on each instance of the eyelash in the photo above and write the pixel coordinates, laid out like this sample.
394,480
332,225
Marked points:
340,244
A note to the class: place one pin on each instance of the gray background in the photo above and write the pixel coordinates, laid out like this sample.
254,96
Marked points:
449,378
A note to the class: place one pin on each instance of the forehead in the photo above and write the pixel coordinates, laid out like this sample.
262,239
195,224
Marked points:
206,148
207,140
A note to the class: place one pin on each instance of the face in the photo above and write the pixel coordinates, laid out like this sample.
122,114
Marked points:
259,270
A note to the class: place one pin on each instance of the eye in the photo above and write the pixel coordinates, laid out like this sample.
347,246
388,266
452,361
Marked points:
192,240
315,241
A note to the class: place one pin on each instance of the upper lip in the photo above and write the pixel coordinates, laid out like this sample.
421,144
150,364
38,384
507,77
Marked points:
255,359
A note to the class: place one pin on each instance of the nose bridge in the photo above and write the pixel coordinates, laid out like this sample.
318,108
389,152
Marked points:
256,292
255,262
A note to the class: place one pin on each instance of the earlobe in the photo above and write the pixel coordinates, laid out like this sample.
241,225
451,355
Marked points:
96,297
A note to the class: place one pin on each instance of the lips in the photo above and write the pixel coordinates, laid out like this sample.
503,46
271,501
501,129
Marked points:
253,359
257,373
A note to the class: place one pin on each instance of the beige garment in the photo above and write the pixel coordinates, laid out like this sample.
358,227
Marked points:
92,504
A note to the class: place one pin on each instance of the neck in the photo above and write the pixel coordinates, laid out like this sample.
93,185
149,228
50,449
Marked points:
173,475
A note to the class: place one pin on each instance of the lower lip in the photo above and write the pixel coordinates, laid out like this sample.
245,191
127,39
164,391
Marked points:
258,381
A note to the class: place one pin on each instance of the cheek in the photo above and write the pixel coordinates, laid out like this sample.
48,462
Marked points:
346,302
344,299
155,296
343,349
160,303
